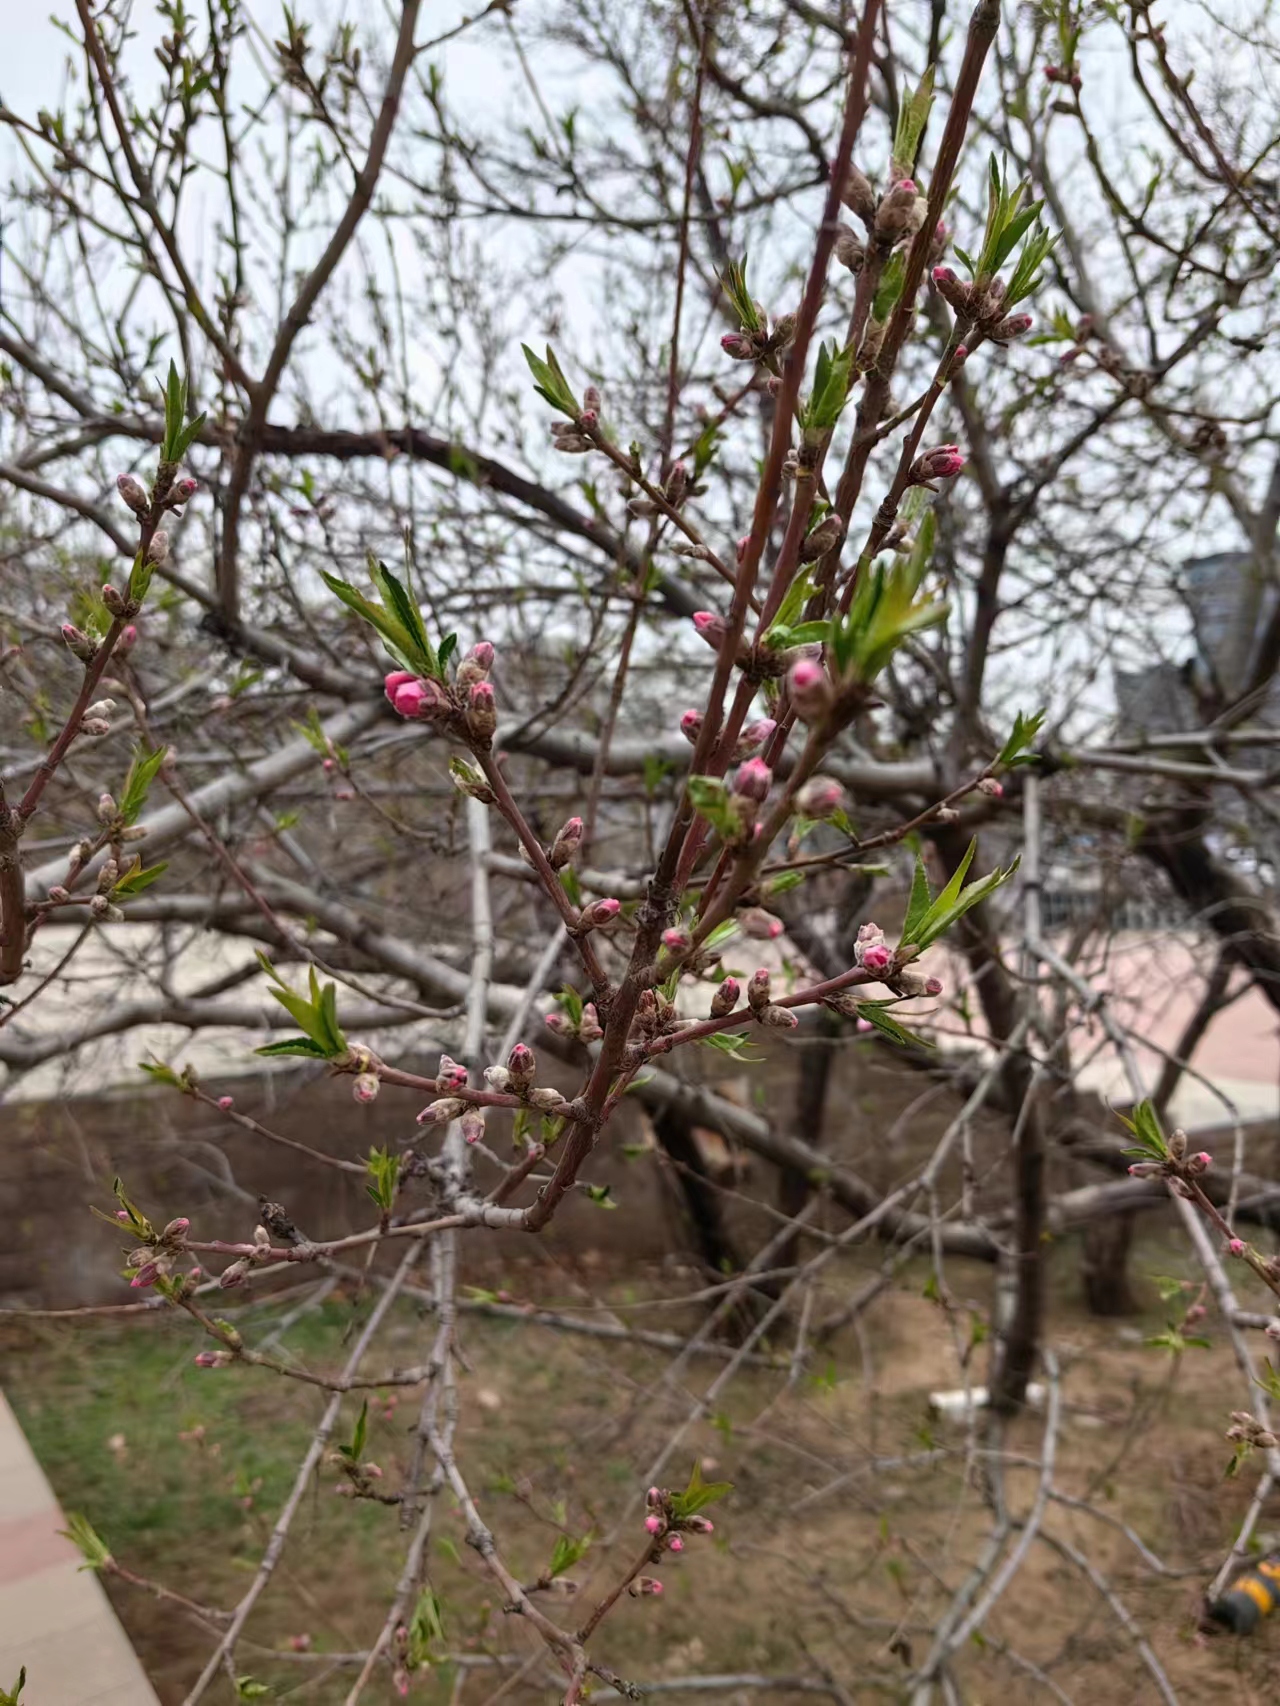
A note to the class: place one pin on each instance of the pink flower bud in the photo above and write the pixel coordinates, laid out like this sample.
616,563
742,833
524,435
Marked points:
740,549
653,1524
990,787
226,1103
184,489
482,653
522,1065
441,1111
701,1524
449,1074
758,989
128,638
675,1543
113,598
122,1214
809,689
941,463
711,628
599,913
1014,326
398,678
738,346
206,1359
1236,1246
753,780
1200,1163
176,1228
863,1025
675,940
80,645
878,957
691,726
482,711
653,1497
759,924
145,1276
568,840
933,986
725,998
133,492
781,1018
471,1125
754,736
365,1086
158,550
820,797
420,700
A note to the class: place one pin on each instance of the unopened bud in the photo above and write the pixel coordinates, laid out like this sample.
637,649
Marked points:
753,779
100,709
106,808
781,1018
758,990
365,1086
599,914
113,598
59,894
820,797
184,489
568,840
858,195
442,1111
1014,326
95,727
725,999
497,1078
522,1066
753,737
80,645
676,941
482,712
234,1275
128,638
471,1125
784,331
133,492
760,925
677,485
450,1075
941,463
158,550
738,346
823,538
808,689
176,1230
901,211
850,250
990,787
710,627
476,665
545,1099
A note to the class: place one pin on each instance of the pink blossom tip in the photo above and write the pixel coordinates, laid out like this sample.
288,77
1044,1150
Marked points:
653,1524
1236,1246
677,1545
226,1103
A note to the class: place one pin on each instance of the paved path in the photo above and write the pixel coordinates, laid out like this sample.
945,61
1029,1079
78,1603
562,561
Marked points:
54,1617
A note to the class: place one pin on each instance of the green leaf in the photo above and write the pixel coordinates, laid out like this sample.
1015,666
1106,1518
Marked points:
697,1495
736,1044
913,115
734,283
162,1073
599,1195
832,373
360,1433
295,1045
384,1177
11,1698
723,932
875,1013
920,902
407,617
138,880
394,637
249,1688
550,382
797,596
1145,1125
80,1532
143,769
567,1552
889,288
1025,730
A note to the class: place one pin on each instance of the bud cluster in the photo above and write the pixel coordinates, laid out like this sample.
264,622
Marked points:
466,705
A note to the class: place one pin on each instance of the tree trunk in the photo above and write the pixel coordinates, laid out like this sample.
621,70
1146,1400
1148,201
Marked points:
1015,1350
814,1060
1104,1266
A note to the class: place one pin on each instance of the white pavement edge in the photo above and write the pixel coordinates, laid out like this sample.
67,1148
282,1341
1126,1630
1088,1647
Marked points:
54,1616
